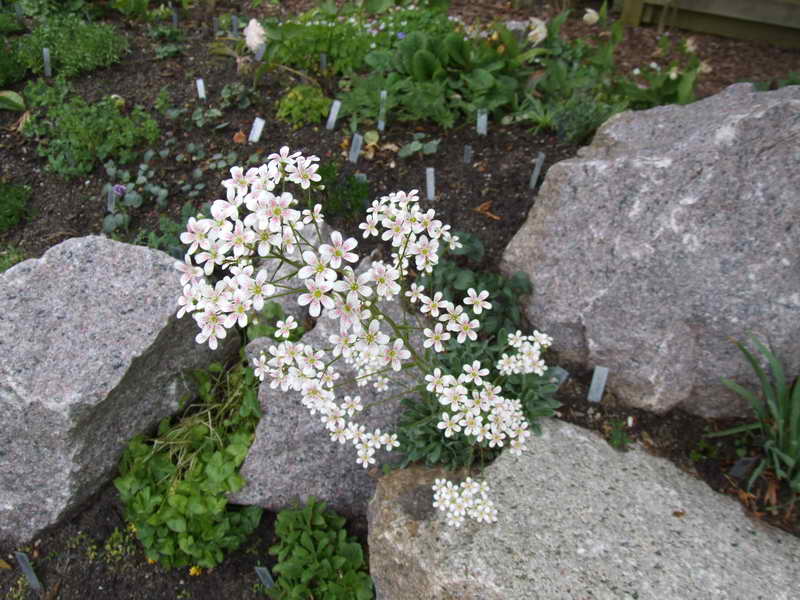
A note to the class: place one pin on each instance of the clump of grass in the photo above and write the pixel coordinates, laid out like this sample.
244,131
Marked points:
9,256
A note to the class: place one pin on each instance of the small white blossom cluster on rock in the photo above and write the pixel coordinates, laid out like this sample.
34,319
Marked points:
469,499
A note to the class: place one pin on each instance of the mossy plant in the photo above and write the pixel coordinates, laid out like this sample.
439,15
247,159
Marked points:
75,46
13,204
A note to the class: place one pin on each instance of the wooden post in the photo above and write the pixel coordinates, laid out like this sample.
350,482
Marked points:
632,12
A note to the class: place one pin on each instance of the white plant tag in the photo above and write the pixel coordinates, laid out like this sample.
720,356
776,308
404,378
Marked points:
355,147
598,384
382,111
467,154
536,170
483,122
48,72
256,129
337,104
430,182
201,89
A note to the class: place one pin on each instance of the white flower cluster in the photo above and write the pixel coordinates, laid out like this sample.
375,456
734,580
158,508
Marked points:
257,222
528,357
470,499
275,229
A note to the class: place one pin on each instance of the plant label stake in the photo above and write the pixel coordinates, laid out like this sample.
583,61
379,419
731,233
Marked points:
536,170
175,17
355,147
256,129
111,200
18,9
430,182
361,177
467,154
215,25
46,57
382,112
323,61
235,26
598,384
337,104
265,577
559,376
260,51
483,122
25,565
201,89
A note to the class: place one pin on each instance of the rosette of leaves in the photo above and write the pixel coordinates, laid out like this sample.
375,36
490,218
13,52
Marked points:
175,486
316,557
303,105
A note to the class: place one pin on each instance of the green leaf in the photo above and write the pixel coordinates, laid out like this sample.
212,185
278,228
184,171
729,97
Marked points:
177,524
464,280
12,101
377,6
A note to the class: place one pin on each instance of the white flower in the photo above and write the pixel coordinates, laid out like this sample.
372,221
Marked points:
254,35
477,301
591,17
285,327
450,424
538,32
435,337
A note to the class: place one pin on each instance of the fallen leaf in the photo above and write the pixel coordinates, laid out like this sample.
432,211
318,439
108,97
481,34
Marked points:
391,147
52,593
679,513
771,495
4,564
239,137
484,209
647,439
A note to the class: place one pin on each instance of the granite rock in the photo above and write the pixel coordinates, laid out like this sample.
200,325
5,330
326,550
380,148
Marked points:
674,232
292,456
577,519
91,354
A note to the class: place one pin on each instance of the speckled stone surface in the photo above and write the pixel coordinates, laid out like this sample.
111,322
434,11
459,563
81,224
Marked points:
673,232
578,520
91,354
293,456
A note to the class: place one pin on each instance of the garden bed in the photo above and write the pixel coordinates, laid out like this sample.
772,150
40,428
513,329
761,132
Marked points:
94,555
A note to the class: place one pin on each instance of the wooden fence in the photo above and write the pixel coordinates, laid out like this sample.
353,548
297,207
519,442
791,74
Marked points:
774,21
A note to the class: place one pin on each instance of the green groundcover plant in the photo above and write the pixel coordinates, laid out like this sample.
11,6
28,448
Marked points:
13,204
778,411
175,485
479,397
316,557
75,45
74,135
303,104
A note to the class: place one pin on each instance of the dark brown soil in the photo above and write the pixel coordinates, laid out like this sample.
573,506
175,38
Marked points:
72,560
